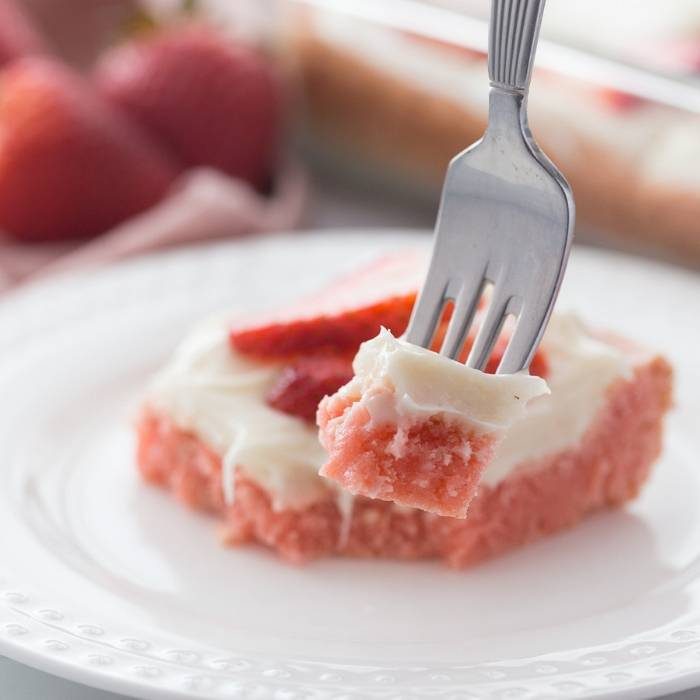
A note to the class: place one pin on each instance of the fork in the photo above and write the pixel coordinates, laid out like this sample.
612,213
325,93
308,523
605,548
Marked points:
506,216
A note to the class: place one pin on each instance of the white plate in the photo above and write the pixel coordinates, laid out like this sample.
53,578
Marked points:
107,581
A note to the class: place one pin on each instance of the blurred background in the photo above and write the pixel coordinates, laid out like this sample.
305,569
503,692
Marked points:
128,125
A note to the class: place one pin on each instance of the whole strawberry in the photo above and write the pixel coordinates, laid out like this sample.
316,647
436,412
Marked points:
18,37
70,165
209,101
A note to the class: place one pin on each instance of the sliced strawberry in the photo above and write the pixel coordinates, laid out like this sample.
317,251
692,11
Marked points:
346,314
302,384
351,311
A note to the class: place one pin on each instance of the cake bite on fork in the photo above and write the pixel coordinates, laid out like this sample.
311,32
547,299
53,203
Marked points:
418,427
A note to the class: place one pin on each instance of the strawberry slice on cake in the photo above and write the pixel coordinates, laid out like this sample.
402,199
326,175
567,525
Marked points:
342,316
227,427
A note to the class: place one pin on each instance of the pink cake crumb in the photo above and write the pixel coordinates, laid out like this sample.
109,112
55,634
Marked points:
433,463
606,468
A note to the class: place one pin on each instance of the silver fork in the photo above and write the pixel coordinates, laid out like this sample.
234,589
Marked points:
506,215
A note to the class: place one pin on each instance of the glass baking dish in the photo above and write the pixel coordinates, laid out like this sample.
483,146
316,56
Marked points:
401,86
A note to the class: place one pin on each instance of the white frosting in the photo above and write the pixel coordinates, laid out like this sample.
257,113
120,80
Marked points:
218,394
424,383
581,369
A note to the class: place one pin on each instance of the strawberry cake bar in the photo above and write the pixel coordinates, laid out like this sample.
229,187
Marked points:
228,427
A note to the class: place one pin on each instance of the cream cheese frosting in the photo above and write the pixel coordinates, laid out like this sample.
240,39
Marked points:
425,383
220,395
581,368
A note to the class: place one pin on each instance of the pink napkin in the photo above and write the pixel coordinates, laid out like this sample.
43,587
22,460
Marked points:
204,205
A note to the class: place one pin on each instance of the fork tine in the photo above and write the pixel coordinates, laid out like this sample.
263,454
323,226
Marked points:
427,311
524,341
489,332
462,317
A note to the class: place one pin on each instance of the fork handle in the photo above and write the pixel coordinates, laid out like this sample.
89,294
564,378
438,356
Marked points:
513,33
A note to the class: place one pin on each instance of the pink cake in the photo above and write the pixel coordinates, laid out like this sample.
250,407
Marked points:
228,432
417,428
429,463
